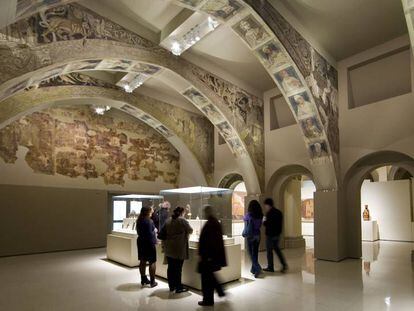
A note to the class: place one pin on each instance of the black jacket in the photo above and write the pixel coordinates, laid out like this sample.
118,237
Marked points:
160,217
274,222
211,246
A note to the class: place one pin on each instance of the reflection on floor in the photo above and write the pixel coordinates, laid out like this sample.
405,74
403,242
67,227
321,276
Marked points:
84,280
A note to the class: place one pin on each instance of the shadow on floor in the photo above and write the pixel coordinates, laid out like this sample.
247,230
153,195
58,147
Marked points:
221,305
118,264
165,294
129,287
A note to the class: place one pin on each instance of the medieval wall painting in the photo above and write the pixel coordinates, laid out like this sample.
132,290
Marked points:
251,31
47,75
302,106
75,142
272,55
212,113
288,80
190,3
226,131
114,65
222,9
145,69
196,97
26,7
89,64
310,127
319,152
164,131
236,147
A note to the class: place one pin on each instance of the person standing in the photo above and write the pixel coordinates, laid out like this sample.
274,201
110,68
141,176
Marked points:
273,229
146,242
175,234
252,224
212,257
161,215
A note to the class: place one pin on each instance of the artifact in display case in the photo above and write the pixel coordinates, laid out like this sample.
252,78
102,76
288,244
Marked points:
122,241
193,199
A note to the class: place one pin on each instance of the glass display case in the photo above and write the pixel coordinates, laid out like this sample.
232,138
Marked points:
126,208
194,199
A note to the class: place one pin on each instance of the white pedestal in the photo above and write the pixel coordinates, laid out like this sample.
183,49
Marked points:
370,231
122,247
191,277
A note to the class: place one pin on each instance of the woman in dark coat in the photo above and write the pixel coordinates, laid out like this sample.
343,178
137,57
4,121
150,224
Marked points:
212,257
146,246
174,235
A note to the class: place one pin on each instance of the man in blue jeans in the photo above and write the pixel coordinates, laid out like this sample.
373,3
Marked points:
273,229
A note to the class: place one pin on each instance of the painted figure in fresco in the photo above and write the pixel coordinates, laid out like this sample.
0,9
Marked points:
253,33
311,128
318,150
304,108
272,55
221,8
288,81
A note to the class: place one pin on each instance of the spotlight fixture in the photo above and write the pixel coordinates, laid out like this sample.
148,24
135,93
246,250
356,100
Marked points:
131,81
100,110
179,44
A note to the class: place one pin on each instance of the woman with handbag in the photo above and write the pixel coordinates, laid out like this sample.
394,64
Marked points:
252,224
174,235
146,242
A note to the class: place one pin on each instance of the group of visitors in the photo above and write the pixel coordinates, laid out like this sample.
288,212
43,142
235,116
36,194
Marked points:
273,222
174,233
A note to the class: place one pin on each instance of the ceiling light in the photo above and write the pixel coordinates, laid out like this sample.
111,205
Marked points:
176,48
131,81
181,43
101,109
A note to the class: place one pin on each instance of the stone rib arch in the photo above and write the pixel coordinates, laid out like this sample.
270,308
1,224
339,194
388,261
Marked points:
106,40
311,79
352,191
230,180
42,98
316,77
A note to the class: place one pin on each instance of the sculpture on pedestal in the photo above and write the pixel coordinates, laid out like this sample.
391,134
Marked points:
366,216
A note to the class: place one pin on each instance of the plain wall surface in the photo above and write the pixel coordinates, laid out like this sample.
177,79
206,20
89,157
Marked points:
41,219
389,204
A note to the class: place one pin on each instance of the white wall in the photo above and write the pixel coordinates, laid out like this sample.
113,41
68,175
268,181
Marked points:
383,125
390,205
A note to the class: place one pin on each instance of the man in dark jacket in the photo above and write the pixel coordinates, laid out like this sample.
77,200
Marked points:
160,216
273,225
212,257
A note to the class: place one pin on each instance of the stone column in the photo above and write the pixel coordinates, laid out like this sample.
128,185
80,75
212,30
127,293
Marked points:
292,215
330,226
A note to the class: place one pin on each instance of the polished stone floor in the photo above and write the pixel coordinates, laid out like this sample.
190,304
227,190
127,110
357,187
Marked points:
84,280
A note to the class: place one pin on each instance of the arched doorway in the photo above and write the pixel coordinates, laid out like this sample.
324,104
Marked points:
292,188
235,182
354,180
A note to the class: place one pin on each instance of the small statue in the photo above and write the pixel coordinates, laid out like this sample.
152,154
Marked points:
365,214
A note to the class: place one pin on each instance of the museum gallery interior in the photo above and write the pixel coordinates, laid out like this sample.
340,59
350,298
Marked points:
110,107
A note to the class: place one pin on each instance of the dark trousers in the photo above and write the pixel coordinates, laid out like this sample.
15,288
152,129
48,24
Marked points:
174,271
253,248
209,283
272,244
